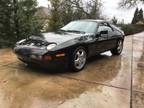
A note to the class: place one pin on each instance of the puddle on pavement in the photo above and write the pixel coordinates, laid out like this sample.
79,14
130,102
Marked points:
23,87
138,71
138,63
108,69
23,91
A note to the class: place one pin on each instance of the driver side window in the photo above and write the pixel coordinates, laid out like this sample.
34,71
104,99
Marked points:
104,28
101,28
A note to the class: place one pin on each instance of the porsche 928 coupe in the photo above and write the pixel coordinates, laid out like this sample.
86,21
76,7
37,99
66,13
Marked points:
72,44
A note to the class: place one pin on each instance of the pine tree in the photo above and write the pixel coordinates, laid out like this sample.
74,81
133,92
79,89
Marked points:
114,20
25,21
18,20
5,21
55,18
140,16
135,18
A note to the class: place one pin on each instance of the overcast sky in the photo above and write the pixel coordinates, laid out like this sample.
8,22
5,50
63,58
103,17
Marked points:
110,9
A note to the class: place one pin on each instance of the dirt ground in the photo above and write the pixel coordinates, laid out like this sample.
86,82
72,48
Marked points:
106,82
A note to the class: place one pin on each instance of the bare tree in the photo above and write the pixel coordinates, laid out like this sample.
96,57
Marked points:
89,8
130,3
64,11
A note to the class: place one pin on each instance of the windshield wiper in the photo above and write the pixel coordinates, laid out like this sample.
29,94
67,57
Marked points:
76,31
62,30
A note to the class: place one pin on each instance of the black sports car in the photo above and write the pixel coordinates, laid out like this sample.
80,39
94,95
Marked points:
71,45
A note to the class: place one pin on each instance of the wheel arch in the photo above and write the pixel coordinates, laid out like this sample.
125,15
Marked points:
80,45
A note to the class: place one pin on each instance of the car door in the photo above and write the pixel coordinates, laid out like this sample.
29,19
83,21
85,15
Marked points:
101,38
107,41
112,38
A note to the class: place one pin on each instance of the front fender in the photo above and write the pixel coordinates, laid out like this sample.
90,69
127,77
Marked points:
83,40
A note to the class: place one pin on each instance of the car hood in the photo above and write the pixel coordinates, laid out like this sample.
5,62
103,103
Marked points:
58,38
62,40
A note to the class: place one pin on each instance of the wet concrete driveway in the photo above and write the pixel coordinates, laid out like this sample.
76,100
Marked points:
106,82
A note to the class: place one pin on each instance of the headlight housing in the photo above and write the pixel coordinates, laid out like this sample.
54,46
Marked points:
21,41
49,47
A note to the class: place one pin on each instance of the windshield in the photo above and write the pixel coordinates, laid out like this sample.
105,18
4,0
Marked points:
81,26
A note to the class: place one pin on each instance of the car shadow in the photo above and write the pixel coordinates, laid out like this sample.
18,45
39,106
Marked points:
65,69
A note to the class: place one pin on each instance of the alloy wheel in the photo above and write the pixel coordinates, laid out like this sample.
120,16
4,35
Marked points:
80,59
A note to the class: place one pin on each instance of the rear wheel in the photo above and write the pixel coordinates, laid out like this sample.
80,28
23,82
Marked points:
78,59
119,48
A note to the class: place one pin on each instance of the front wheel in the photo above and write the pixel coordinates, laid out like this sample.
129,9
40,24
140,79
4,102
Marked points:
118,49
78,59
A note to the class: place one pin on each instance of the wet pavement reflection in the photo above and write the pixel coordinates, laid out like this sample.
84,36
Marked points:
138,71
104,83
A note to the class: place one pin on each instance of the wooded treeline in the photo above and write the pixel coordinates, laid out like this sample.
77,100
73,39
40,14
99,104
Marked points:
130,3
18,18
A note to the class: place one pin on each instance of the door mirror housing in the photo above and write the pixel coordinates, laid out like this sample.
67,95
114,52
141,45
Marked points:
102,34
105,32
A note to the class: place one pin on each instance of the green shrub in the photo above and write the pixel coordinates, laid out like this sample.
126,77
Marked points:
132,28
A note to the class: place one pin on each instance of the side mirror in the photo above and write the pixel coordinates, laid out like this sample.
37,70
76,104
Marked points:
104,32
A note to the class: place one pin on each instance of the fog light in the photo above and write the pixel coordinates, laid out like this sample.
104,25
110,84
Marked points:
46,57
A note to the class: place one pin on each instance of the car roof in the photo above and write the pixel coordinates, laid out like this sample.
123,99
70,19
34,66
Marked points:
94,20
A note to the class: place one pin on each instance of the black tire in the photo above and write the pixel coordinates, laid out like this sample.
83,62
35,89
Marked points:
119,48
74,58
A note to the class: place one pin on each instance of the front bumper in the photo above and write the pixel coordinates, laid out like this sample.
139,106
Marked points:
54,63
38,59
